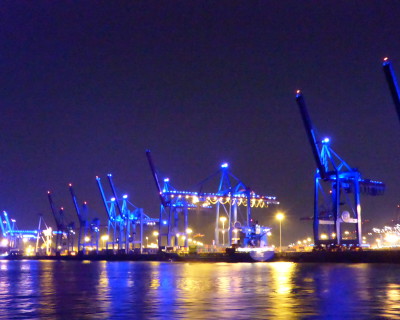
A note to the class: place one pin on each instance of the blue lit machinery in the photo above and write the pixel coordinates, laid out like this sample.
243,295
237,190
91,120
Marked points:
63,230
11,232
231,194
173,204
89,233
115,222
392,82
177,204
123,220
336,192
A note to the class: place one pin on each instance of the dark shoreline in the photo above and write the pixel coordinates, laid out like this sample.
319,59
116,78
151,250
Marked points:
370,256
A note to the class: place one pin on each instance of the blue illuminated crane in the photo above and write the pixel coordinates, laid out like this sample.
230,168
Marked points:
88,232
125,223
123,219
173,203
231,194
11,232
392,82
337,191
60,223
115,221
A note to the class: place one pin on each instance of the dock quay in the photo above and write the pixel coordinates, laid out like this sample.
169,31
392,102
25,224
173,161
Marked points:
367,256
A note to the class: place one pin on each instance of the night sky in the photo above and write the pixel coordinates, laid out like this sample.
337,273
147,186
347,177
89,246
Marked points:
88,86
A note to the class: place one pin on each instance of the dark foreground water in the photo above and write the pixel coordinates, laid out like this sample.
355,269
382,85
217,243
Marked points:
147,290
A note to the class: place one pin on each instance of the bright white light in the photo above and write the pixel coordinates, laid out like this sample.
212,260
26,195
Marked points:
326,140
391,237
225,165
166,180
125,196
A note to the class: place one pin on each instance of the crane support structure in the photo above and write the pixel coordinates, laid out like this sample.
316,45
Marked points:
123,219
11,232
230,194
392,82
88,232
59,219
171,209
337,189
114,220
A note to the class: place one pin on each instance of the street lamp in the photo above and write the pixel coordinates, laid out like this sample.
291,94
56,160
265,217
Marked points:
280,217
155,233
223,219
104,238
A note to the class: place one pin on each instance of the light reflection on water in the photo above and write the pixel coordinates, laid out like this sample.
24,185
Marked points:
144,290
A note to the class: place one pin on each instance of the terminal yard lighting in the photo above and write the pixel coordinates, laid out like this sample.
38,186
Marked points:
280,216
4,242
223,219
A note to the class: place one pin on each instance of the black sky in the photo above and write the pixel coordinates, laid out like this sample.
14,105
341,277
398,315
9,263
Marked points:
87,86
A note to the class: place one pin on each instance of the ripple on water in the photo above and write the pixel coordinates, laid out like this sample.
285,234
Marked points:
113,290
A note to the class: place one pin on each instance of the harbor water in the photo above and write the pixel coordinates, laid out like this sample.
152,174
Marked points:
171,290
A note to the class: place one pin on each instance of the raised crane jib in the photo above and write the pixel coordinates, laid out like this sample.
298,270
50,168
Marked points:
74,200
109,176
310,133
154,173
57,217
103,198
392,82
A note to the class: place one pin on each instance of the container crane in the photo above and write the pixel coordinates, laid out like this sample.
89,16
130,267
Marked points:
231,194
337,189
123,219
85,226
114,220
125,223
14,235
170,209
59,219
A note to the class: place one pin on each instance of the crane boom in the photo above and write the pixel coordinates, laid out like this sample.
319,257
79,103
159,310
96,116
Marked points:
103,197
57,218
115,194
74,200
392,82
154,173
310,133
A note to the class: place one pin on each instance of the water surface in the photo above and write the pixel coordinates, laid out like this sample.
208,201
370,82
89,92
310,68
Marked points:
163,290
